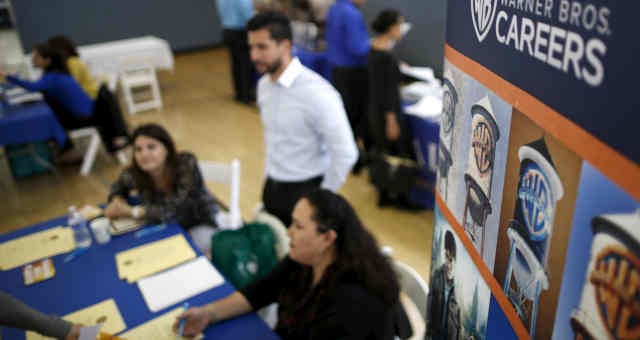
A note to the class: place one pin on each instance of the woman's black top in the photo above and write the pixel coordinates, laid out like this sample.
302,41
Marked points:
336,308
384,96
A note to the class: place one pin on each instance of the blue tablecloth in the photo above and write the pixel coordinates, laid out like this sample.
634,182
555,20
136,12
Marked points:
93,277
31,122
425,135
317,61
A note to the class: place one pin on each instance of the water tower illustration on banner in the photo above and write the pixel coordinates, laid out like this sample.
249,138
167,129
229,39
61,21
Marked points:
479,173
610,303
539,189
447,119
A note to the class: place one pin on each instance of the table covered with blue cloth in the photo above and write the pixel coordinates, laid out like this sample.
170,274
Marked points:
29,122
425,135
93,277
316,61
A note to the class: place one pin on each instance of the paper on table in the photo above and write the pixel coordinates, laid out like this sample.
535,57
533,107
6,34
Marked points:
89,333
160,328
172,286
154,257
105,313
422,73
25,98
428,107
30,248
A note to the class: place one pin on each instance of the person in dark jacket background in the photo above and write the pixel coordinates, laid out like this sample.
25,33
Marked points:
442,305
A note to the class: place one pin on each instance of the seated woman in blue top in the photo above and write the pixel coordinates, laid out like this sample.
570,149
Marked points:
71,105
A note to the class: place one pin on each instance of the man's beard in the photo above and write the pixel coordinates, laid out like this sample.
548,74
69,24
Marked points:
273,68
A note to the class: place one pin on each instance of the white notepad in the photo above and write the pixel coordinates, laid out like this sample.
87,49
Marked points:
182,282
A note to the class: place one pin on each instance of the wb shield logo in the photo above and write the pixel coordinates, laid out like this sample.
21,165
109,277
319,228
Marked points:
482,13
616,278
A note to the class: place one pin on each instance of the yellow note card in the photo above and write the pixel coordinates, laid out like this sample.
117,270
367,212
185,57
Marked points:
160,328
30,248
154,257
105,312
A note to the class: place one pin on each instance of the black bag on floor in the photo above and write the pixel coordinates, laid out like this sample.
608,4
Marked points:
392,175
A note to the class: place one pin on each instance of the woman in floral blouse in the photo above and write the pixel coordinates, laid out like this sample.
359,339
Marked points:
169,185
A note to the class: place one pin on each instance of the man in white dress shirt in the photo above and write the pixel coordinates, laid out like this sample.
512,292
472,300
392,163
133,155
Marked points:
307,137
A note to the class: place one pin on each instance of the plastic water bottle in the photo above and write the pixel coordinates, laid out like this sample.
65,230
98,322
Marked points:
79,225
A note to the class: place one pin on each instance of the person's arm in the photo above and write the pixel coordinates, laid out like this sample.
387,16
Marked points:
252,297
15,314
123,185
197,319
42,84
331,121
383,87
356,34
117,201
267,155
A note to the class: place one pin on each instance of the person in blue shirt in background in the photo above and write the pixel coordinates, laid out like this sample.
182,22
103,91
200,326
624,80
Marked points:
72,107
234,15
347,49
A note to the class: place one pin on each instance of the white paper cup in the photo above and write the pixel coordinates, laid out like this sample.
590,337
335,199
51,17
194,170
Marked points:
100,228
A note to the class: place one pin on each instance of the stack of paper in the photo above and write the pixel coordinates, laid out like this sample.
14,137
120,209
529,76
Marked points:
19,95
165,289
427,108
27,249
105,313
421,73
160,328
154,257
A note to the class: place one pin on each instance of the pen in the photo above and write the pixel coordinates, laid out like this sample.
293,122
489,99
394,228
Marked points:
181,329
75,254
151,230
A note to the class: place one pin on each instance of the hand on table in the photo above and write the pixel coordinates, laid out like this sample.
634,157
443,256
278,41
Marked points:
74,333
196,320
118,208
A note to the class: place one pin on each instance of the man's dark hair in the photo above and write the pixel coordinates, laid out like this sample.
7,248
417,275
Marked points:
275,22
450,243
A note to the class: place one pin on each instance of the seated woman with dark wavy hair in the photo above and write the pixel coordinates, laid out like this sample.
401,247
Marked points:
169,184
335,283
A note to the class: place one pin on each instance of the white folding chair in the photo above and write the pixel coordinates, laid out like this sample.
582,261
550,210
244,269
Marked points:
415,302
92,149
277,228
137,74
227,173
270,313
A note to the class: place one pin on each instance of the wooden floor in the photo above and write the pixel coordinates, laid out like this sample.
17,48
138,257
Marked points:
202,117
